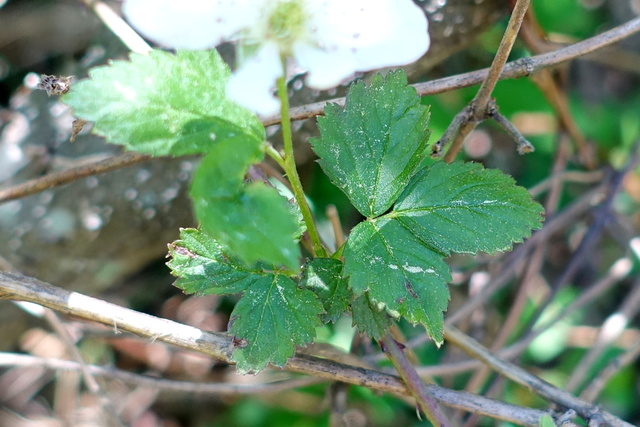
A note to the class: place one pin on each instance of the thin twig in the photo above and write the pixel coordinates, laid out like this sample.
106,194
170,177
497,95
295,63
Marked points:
163,385
566,176
220,346
479,104
118,26
519,68
336,225
593,390
414,383
57,179
89,380
522,145
610,331
532,382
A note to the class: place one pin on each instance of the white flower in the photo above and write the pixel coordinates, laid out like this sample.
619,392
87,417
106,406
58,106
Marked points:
331,39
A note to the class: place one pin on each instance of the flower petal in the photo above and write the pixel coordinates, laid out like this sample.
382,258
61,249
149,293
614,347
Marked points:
360,35
405,40
252,84
190,24
325,69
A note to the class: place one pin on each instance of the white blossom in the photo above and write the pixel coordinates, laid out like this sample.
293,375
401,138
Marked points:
330,39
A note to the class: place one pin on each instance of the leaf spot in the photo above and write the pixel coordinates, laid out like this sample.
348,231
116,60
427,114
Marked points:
409,288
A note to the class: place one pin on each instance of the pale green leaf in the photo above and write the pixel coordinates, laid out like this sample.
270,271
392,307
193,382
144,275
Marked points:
164,104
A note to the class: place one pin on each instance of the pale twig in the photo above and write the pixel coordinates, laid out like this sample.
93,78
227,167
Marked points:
89,380
118,26
566,176
163,385
57,179
336,225
220,346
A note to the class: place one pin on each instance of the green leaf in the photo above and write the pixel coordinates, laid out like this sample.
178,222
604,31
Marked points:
203,268
371,148
398,258
271,319
368,319
324,277
399,273
164,104
254,221
546,421
464,208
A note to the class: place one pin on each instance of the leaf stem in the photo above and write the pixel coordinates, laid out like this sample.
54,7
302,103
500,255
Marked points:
289,166
274,154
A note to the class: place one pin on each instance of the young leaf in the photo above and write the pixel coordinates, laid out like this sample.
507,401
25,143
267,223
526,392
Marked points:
371,148
253,220
324,277
464,208
398,273
164,104
271,319
203,268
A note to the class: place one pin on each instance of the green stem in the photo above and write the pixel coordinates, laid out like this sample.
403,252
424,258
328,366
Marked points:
289,166
274,154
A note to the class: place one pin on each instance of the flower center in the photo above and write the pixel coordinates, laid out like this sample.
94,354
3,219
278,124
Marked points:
286,23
